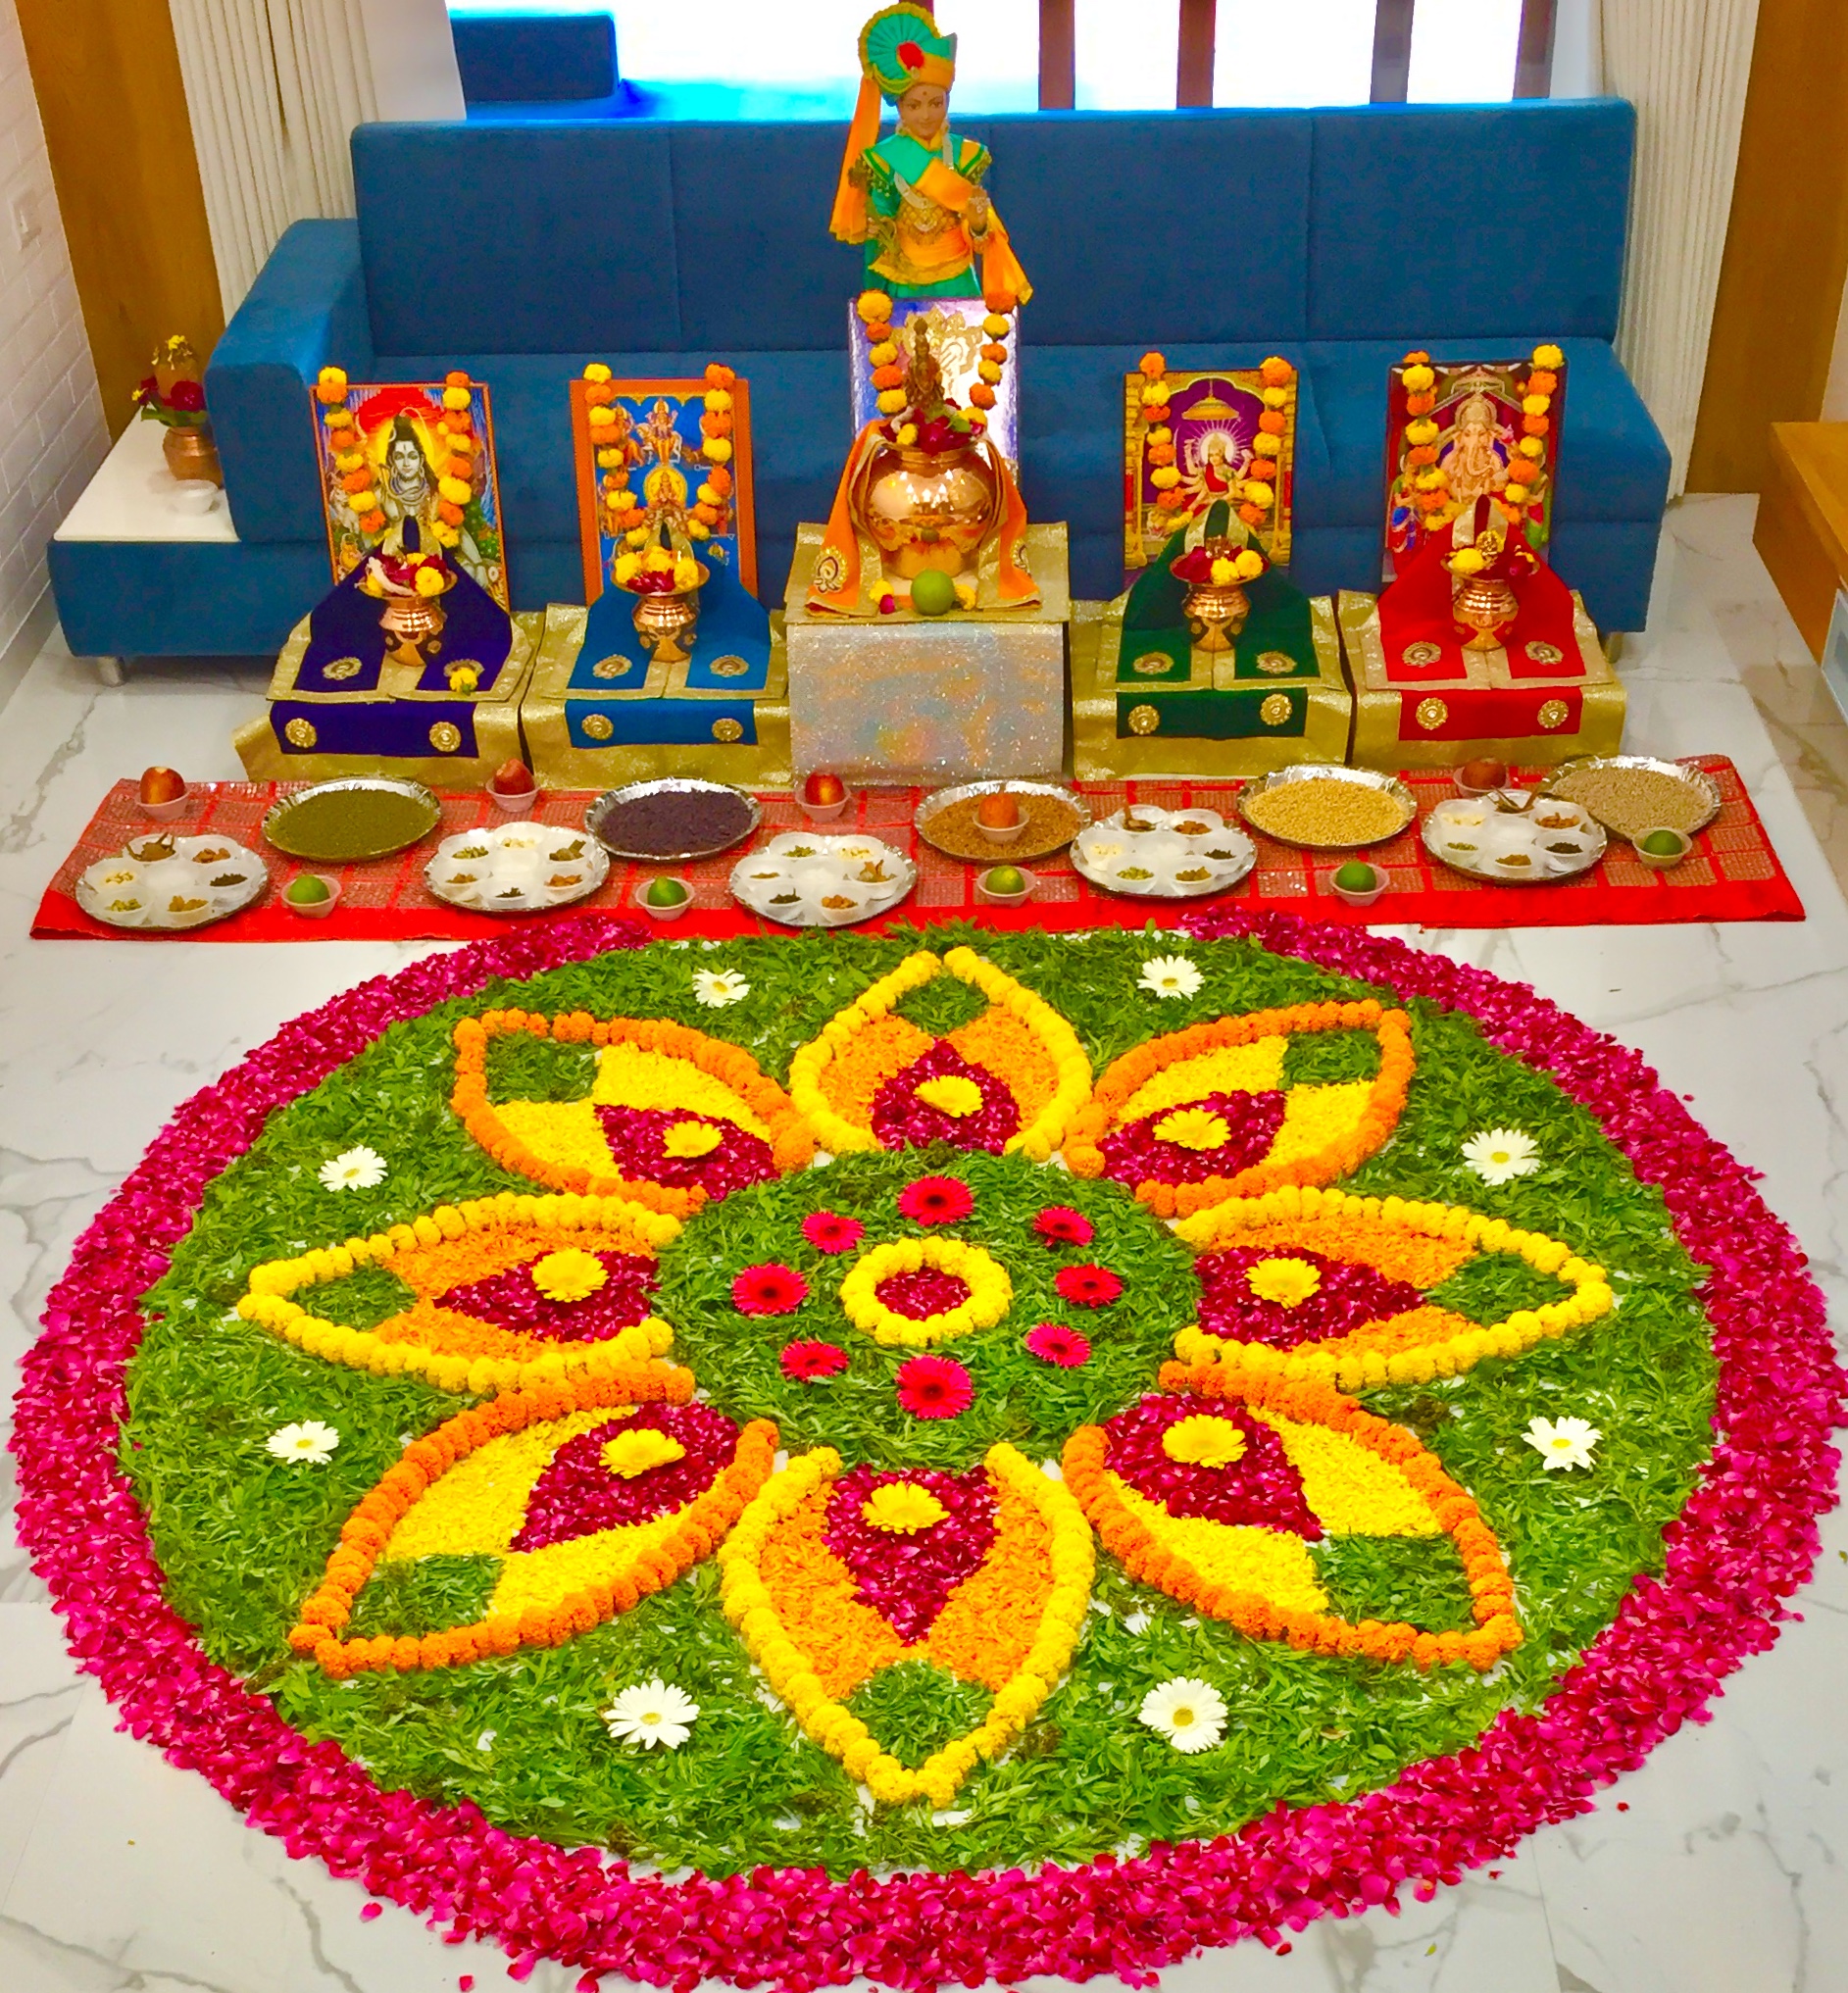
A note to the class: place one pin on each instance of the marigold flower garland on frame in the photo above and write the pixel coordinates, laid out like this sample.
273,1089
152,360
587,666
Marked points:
1744,1543
1256,489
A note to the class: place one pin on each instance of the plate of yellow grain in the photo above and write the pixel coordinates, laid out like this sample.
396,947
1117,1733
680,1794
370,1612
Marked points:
1321,806
1634,794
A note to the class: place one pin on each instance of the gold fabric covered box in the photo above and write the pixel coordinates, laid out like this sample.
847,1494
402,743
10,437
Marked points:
906,698
1406,717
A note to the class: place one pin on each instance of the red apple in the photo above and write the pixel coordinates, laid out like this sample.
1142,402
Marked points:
513,778
822,787
161,786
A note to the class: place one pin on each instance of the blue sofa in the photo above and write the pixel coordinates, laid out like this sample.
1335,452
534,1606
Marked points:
1336,238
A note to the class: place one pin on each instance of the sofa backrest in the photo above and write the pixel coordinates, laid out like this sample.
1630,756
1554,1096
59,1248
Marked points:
1375,222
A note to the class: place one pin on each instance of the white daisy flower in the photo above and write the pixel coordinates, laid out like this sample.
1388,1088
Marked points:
718,988
1563,1442
353,1169
1190,1714
311,1442
1499,1155
1169,976
654,1713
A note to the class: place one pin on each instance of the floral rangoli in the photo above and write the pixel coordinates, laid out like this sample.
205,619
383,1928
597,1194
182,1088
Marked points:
939,1458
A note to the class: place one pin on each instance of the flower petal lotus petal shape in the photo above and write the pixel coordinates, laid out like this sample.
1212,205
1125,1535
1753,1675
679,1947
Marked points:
580,1498
825,1600
1368,1318
857,1085
478,1320
1234,1072
1231,1540
650,1079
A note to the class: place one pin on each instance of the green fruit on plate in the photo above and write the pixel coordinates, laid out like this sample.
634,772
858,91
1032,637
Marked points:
665,892
1355,877
306,891
1005,878
932,594
1661,843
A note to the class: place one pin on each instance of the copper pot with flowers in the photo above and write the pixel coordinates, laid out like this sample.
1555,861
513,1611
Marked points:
410,586
665,580
929,493
1216,604
1487,573
172,397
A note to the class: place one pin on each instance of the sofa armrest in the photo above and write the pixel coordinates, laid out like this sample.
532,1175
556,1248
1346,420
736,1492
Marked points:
306,311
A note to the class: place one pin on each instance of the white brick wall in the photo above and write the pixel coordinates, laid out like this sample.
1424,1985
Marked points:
52,436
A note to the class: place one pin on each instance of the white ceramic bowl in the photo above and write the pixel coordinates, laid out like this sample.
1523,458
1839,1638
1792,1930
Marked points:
1661,861
165,813
671,913
320,909
984,891
1003,833
824,813
514,806
1362,898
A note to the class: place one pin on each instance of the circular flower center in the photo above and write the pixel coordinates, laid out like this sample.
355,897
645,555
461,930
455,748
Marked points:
685,1140
569,1274
919,1291
902,1508
630,1454
1287,1282
1194,1128
1204,1441
920,1295
951,1094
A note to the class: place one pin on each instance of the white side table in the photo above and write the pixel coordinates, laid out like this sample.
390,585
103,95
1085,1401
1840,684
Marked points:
133,496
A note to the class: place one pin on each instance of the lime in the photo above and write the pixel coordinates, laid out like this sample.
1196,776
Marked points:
932,594
665,892
1007,878
306,891
1355,877
1661,843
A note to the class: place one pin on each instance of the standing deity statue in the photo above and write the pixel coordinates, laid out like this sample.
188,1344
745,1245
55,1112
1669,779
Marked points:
916,199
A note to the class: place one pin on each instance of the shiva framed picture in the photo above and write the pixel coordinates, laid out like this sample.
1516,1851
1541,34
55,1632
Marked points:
394,452
655,455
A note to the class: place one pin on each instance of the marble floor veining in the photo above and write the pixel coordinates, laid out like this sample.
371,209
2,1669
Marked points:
1716,1868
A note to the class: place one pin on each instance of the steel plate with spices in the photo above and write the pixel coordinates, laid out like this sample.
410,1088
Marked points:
1634,794
672,820
1325,807
351,820
1048,817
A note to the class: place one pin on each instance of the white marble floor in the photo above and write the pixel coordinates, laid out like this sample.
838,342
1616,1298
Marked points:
1714,1870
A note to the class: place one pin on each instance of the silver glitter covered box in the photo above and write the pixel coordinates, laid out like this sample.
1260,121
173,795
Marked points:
931,699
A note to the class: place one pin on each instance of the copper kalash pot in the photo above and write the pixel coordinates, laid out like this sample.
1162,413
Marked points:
1483,608
928,508
666,618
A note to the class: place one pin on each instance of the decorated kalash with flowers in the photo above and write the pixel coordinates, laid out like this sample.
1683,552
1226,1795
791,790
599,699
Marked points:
1212,662
926,616
1475,649
412,664
673,667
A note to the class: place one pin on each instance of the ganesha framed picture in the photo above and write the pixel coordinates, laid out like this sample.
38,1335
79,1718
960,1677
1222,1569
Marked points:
1459,430
422,452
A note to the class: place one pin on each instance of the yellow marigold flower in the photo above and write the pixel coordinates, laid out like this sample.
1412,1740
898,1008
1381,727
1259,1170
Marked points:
1194,1128
1255,492
332,376
907,435
628,567
995,325
698,529
602,418
1248,564
1264,444
1289,1282
1275,397
902,1507
630,1454
718,400
1224,573
657,559
1531,446
1421,431
596,371
1154,394
1535,404
891,400
1418,378
363,502
874,307
568,1274
1166,479
1548,357
1467,560
638,536
1204,1441
951,1094
686,573
430,581
689,1139
446,535
885,354
457,398
609,460
717,449
454,489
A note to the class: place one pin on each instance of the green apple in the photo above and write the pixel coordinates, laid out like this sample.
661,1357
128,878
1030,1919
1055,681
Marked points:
932,594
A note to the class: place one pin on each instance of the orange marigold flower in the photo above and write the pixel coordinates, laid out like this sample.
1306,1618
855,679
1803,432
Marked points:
1277,371
981,394
1152,366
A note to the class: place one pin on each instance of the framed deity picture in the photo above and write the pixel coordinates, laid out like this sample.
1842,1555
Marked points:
654,458
953,331
393,451
1458,429
1226,434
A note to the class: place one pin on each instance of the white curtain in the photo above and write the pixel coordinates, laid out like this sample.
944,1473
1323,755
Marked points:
275,87
1683,64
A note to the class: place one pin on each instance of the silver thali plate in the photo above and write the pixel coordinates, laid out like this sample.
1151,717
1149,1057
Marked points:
282,822
795,876
1697,780
1328,771
166,884
1513,848
1160,860
598,815
1016,851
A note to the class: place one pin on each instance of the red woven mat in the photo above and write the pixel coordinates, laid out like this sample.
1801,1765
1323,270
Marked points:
1733,875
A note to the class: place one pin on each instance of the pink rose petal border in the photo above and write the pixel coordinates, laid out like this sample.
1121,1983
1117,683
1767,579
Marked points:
1746,1541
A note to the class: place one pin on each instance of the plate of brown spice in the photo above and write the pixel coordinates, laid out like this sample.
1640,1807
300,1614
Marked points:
1048,819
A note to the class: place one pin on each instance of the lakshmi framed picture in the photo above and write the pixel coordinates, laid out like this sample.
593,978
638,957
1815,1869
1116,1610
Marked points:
1457,429
678,453
391,451
1191,438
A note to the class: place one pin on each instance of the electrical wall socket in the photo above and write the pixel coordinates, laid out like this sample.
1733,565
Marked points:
24,210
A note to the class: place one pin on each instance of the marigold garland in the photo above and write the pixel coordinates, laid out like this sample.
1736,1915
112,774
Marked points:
1310,1162
991,1291
1406,1349
792,1145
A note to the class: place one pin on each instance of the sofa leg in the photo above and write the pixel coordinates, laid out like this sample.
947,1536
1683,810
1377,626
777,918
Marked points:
113,671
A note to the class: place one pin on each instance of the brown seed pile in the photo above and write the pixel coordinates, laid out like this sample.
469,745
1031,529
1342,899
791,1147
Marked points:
1630,801
1047,822
1327,815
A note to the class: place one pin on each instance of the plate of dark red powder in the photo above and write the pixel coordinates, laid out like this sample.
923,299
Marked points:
672,820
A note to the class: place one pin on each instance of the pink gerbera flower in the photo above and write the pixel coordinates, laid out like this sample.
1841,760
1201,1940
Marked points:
934,1388
937,1200
1087,1286
829,1233
1060,1225
806,1363
768,1290
1052,1342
